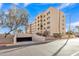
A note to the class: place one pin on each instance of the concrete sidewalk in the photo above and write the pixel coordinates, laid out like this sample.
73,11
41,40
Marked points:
63,47
21,44
33,50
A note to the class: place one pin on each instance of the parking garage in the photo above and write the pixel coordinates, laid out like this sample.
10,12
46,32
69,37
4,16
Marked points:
21,39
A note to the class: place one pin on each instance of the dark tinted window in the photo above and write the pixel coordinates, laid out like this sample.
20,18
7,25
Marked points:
48,22
48,27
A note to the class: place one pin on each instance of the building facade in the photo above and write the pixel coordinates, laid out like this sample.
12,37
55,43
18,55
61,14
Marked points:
51,20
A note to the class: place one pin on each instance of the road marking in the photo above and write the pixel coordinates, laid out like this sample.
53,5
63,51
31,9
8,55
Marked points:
75,53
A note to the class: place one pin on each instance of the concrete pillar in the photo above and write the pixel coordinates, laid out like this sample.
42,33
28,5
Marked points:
15,39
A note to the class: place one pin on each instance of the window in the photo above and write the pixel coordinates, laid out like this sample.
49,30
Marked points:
48,22
44,19
38,28
41,20
48,18
63,24
44,24
48,27
41,26
38,20
44,15
63,20
38,24
63,16
41,16
38,17
35,22
63,28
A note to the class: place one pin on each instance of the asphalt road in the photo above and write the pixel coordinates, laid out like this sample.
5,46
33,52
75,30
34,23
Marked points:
63,47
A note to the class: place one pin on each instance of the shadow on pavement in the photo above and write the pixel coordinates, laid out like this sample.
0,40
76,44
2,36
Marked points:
23,45
17,47
11,50
60,48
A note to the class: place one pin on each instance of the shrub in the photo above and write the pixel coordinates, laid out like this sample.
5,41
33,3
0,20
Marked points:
57,35
46,33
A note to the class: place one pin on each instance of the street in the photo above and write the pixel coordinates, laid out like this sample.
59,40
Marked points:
62,47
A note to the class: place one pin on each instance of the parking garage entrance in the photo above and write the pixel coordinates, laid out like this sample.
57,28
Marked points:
22,39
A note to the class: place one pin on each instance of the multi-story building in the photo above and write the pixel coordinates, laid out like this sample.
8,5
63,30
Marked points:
51,20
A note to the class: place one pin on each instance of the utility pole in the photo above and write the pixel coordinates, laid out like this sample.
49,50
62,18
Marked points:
69,25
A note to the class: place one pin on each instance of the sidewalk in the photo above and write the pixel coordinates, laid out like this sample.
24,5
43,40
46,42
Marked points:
21,44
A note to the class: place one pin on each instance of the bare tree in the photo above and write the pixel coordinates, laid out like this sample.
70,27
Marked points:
15,18
2,16
19,30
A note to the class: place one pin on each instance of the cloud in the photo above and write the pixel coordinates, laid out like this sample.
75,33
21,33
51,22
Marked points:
72,26
15,3
6,12
0,5
75,24
64,5
26,4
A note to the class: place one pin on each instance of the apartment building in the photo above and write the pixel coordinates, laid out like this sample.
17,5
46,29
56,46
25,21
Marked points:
51,20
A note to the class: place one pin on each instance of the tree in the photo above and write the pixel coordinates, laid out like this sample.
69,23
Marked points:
2,16
46,33
70,32
19,30
57,35
14,19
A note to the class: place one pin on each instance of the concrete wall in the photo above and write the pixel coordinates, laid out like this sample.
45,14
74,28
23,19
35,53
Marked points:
37,38
23,35
8,39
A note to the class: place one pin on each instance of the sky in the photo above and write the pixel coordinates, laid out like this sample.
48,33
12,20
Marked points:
33,9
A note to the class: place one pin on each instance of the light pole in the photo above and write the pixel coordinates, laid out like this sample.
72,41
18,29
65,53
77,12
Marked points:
59,18
69,25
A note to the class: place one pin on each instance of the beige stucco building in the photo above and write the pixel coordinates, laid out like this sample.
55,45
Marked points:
51,20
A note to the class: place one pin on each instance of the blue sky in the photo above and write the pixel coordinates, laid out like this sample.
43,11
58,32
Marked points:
36,8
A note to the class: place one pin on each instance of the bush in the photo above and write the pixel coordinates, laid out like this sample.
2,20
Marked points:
70,32
39,34
46,33
57,35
